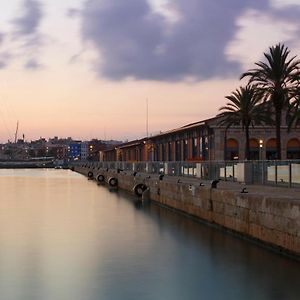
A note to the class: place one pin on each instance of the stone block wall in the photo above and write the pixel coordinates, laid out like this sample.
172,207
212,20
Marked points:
272,218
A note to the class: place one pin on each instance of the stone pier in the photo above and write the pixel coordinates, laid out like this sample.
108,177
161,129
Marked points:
268,215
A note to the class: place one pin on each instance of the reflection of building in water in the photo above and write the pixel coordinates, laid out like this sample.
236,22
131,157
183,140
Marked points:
207,140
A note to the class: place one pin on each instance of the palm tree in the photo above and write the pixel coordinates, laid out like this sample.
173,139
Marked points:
276,81
293,112
244,108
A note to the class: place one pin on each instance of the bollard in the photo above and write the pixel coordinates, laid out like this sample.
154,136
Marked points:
214,184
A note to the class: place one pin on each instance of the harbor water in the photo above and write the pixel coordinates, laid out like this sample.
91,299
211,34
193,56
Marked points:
62,237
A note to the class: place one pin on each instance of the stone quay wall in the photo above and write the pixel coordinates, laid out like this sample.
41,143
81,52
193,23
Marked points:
267,215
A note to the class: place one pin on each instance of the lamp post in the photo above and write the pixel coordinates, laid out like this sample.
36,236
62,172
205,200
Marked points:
261,142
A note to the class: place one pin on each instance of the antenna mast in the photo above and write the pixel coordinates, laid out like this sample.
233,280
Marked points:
147,123
16,134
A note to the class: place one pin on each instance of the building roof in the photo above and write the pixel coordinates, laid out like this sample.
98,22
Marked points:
186,127
138,142
133,143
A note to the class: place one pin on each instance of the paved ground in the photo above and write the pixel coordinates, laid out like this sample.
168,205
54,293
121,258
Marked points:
262,189
275,191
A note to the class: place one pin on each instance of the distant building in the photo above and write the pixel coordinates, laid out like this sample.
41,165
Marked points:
74,150
84,150
96,148
56,148
57,151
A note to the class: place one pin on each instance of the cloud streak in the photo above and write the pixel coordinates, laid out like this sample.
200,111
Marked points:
2,36
32,65
133,40
26,33
24,41
5,59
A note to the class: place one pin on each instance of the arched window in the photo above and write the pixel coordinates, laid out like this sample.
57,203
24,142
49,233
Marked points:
293,149
271,152
232,149
254,149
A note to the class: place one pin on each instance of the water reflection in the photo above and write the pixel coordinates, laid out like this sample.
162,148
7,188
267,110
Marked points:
239,269
63,237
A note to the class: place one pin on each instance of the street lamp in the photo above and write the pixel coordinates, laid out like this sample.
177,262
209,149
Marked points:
261,142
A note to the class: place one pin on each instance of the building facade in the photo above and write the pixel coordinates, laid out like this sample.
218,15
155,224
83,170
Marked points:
84,150
74,150
208,140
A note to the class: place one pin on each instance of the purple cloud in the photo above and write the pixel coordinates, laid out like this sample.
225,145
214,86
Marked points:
134,41
2,35
32,64
5,59
26,32
73,12
30,19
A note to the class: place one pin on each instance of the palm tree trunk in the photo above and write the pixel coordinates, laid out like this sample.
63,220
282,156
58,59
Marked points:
247,147
278,133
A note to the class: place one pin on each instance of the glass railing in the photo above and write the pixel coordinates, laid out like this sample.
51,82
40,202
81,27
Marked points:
271,172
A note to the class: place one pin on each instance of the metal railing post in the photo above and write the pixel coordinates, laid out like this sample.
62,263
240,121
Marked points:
282,171
276,172
252,171
290,174
263,173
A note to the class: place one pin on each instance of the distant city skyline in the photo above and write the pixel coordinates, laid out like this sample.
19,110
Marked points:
84,68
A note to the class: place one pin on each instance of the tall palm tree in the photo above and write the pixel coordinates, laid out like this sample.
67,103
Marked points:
276,80
243,109
293,112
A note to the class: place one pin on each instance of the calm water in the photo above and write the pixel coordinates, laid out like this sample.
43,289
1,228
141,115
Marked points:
62,237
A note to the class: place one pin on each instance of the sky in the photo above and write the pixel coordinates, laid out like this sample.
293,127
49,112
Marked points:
85,68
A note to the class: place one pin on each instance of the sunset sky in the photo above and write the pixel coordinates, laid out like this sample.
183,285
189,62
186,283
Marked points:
84,68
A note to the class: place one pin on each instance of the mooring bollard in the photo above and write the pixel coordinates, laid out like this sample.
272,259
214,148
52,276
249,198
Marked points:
214,184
